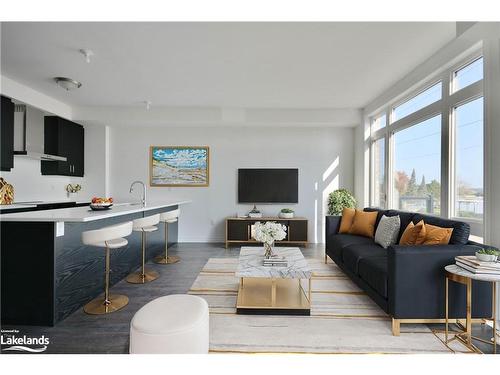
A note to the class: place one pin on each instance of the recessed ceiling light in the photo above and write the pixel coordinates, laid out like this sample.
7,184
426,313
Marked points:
87,53
67,83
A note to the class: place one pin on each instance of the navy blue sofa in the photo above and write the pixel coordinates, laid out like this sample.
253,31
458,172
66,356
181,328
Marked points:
408,282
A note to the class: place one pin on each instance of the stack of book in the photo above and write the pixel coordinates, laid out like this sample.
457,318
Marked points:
275,262
472,264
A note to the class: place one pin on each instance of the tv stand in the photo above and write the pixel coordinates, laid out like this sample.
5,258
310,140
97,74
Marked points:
239,230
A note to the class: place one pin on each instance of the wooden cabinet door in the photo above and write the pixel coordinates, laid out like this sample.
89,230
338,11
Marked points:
237,230
297,230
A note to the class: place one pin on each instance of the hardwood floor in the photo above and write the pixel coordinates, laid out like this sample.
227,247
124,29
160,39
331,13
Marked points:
82,333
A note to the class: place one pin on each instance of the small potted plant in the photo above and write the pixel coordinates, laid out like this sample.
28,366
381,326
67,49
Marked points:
487,255
338,200
286,213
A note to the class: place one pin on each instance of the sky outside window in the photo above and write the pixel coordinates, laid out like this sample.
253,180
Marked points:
429,96
468,75
417,163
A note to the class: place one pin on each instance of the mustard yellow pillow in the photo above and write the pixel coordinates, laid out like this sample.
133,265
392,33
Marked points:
413,234
346,221
364,223
437,235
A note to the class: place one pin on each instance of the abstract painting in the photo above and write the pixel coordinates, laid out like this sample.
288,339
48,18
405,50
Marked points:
179,166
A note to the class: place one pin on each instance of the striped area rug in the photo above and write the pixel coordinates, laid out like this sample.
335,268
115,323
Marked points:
343,318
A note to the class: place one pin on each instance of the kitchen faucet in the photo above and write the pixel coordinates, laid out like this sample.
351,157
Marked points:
143,190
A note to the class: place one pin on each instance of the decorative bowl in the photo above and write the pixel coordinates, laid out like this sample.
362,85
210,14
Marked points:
100,206
286,215
486,257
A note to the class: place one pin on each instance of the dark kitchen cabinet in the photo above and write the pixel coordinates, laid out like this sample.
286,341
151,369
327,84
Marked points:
7,134
64,138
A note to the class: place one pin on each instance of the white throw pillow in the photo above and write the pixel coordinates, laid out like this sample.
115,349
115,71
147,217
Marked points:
387,231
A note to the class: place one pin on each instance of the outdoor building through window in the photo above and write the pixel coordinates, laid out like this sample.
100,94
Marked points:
417,171
430,158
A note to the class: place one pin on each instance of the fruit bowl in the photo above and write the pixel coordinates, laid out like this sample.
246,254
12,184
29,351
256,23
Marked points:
99,204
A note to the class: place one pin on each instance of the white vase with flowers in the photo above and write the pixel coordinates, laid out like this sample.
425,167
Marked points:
268,233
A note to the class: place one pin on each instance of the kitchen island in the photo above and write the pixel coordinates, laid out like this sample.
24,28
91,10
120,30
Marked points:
47,273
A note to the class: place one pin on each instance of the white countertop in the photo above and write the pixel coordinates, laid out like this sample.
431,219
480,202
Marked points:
16,205
84,214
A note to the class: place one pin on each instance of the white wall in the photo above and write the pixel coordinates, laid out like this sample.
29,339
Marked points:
30,185
324,157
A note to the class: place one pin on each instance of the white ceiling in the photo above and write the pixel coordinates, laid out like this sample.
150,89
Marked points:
277,65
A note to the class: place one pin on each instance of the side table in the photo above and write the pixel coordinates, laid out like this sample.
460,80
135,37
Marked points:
462,276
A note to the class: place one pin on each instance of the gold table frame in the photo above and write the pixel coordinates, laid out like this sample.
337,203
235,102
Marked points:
465,336
260,295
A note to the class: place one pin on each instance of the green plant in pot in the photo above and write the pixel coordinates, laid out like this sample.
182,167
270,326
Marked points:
286,213
487,254
338,200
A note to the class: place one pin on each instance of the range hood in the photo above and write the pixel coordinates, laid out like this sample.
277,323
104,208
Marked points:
29,133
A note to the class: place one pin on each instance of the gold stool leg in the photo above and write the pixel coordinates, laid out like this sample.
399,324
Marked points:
166,259
111,302
144,276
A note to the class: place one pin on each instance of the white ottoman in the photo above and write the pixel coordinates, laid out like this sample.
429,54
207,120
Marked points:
173,324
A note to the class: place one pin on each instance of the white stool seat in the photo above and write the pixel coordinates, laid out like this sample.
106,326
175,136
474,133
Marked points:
169,216
99,237
151,228
145,222
113,244
177,323
109,238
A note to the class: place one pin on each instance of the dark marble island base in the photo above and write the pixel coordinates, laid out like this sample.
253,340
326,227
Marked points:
47,273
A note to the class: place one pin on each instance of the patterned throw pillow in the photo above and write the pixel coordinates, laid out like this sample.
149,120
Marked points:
387,231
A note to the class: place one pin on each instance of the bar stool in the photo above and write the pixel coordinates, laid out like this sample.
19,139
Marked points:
144,225
110,238
168,217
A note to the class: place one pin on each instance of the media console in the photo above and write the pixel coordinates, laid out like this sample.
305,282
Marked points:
240,230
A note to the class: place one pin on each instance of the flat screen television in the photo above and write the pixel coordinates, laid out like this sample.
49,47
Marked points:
268,185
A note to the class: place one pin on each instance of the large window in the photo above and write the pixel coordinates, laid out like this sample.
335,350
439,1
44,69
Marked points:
417,167
469,159
429,156
379,123
468,75
426,97
379,189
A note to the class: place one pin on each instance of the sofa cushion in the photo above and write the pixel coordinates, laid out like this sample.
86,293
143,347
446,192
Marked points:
436,235
364,223
387,231
461,230
414,234
373,270
347,218
405,217
351,255
379,212
336,242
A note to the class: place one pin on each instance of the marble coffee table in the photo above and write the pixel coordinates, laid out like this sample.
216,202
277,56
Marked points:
273,290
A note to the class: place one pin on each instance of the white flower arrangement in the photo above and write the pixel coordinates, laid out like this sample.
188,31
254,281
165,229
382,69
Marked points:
269,232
